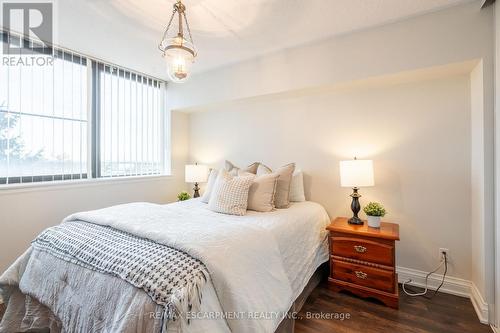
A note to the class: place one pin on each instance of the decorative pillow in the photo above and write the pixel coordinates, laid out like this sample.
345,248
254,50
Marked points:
210,186
230,194
297,187
263,170
282,196
261,193
233,170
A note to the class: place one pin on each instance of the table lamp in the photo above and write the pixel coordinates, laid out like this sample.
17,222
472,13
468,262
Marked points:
196,173
355,174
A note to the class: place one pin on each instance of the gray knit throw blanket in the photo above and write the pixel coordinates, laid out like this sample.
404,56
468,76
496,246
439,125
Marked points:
172,278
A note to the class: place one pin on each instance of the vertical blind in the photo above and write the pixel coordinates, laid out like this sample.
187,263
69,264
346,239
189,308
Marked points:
129,116
78,118
43,118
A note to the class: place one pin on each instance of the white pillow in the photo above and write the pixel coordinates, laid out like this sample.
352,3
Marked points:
297,187
261,193
230,194
210,186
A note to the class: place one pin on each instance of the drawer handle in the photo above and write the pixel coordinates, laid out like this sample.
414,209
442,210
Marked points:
360,249
361,275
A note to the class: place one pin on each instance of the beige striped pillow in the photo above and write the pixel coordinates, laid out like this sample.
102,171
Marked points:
282,196
234,170
262,191
230,194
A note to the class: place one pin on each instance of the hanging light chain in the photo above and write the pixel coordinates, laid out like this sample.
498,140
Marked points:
178,9
160,46
189,32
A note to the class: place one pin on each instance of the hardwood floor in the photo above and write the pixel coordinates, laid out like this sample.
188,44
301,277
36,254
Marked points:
444,313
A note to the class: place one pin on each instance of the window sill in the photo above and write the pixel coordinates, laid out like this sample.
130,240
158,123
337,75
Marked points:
68,184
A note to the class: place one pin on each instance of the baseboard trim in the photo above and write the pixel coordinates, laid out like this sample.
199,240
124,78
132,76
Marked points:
452,285
479,304
495,329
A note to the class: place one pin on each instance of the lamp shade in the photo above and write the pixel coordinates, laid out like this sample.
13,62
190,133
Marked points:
196,173
356,173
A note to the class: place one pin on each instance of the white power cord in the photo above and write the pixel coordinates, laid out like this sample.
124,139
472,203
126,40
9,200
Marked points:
443,262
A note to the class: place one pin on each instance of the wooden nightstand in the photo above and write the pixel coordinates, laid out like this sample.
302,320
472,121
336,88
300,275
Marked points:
363,260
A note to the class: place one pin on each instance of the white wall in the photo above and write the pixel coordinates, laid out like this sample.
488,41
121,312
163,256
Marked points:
497,162
477,180
26,212
421,157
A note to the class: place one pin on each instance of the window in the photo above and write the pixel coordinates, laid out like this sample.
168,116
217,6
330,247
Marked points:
43,120
128,110
78,118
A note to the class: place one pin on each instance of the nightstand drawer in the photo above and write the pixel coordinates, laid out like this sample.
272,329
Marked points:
362,275
375,251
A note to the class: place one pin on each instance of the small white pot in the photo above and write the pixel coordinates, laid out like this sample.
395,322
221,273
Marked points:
374,221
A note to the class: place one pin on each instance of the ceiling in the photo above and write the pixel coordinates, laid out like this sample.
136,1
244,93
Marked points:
229,31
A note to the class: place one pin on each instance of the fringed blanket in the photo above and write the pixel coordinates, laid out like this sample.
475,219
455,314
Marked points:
170,277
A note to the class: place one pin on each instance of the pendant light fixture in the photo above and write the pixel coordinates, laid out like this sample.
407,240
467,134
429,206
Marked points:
178,51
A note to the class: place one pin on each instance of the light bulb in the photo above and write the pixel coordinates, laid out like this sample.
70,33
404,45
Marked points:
180,68
178,63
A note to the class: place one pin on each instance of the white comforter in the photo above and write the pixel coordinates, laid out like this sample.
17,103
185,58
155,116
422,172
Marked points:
246,256
258,263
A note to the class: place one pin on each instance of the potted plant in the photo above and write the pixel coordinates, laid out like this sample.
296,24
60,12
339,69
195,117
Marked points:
375,211
183,196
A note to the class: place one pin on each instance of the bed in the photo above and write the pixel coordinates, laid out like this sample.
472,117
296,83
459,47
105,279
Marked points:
260,263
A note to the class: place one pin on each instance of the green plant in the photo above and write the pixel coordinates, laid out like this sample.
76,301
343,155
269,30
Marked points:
374,209
183,196
12,139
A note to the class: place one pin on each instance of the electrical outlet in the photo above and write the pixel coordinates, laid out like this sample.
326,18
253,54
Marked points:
443,250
